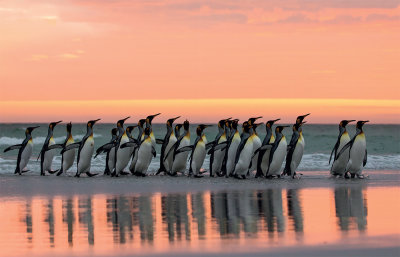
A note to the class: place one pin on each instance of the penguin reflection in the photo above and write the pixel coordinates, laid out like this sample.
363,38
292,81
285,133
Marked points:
144,216
28,221
86,217
270,206
174,213
198,213
119,215
350,207
68,217
50,220
295,211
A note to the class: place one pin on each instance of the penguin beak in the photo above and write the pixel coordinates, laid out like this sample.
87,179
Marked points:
151,117
305,115
365,121
57,122
174,119
348,121
94,121
126,118
276,120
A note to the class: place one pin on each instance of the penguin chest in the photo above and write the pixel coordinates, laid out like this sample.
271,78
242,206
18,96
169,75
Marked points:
256,143
357,152
144,156
245,157
26,154
198,155
68,156
278,157
123,154
298,152
172,140
340,164
180,159
86,155
49,155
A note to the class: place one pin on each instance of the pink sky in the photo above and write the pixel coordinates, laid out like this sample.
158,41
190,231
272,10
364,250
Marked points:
74,50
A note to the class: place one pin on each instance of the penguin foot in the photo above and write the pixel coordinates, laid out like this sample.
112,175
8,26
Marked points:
137,174
59,173
237,176
269,177
107,173
77,175
144,175
353,175
221,174
53,171
124,173
24,171
173,174
198,176
114,174
360,176
346,175
42,174
91,174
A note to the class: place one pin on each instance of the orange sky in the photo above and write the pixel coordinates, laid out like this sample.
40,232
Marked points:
78,50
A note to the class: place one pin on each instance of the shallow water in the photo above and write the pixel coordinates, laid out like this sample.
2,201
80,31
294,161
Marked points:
48,215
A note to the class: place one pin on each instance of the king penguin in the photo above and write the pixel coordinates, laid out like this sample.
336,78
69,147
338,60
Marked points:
121,154
149,120
295,148
339,164
198,151
256,142
232,146
85,150
168,141
277,154
139,138
358,151
68,157
46,155
109,149
217,156
145,154
263,155
244,152
180,160
24,151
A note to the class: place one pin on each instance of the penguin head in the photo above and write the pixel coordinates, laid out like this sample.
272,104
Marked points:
270,123
171,121
252,120
361,123
279,129
234,124
178,127
200,128
150,118
301,117
221,123
53,124
344,123
186,125
246,127
228,123
297,126
255,125
147,131
141,123
69,127
120,123
30,129
129,129
92,122
114,131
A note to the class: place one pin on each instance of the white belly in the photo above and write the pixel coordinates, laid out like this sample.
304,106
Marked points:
26,155
134,160
265,159
85,157
245,158
68,157
181,159
218,157
339,166
357,153
123,155
168,161
144,157
232,154
48,156
256,144
297,154
277,159
198,157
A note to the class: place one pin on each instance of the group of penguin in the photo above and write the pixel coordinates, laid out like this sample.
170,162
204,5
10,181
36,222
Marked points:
232,154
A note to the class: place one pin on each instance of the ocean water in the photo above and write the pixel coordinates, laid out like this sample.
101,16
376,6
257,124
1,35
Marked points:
383,144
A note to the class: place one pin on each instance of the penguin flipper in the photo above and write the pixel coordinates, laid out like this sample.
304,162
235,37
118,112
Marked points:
71,146
104,148
349,144
55,147
128,144
13,147
184,149
209,145
365,158
171,150
159,141
220,146
263,148
153,151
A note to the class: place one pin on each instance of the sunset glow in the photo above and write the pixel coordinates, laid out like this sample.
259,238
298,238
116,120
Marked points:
330,58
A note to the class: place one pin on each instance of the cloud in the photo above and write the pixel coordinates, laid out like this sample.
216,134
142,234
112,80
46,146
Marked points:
69,56
39,57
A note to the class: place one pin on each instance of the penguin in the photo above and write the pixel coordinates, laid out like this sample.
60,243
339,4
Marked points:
228,130
232,146
145,153
68,157
139,138
149,120
263,155
217,156
85,150
198,151
244,152
109,149
168,141
339,165
177,130
122,156
180,160
256,144
46,155
277,154
295,148
358,151
24,151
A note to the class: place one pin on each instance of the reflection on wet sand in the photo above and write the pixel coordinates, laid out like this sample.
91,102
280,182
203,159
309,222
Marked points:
133,220
351,208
